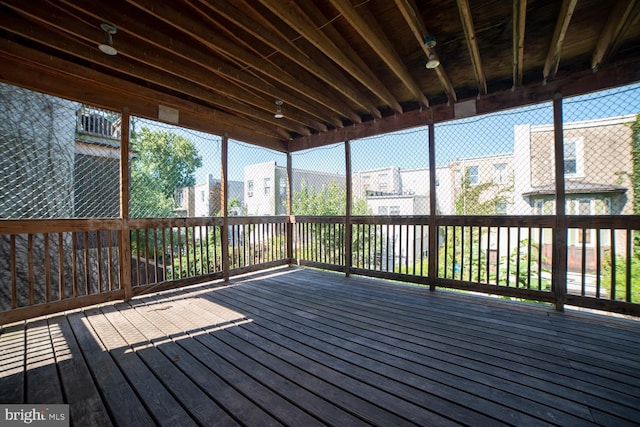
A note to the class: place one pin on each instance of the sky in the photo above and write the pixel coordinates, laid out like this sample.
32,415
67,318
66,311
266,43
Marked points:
470,137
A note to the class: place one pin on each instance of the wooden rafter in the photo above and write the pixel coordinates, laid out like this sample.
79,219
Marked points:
419,31
472,43
35,70
618,23
319,67
181,21
519,18
326,45
370,31
555,49
141,61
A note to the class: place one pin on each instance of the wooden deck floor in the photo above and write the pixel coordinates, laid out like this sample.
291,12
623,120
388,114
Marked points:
301,347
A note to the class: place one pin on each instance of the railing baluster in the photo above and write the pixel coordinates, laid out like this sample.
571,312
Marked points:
508,277
74,270
518,258
14,272
583,276
87,264
498,230
540,258
47,269
630,234
30,272
487,251
612,231
61,266
529,258
99,258
598,262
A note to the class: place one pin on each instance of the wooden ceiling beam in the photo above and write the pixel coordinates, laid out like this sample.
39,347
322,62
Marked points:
177,18
419,31
38,71
555,49
365,24
323,69
472,43
317,38
519,19
618,22
576,84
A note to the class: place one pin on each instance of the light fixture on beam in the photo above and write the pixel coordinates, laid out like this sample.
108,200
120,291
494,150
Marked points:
278,114
430,41
433,61
107,46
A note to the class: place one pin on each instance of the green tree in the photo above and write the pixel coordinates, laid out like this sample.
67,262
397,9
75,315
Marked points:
163,161
478,199
330,200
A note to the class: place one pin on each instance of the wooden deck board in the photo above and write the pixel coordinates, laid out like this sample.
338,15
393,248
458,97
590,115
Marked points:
305,347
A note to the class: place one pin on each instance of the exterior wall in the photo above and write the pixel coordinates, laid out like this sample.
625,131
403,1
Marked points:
498,184
267,194
37,138
259,188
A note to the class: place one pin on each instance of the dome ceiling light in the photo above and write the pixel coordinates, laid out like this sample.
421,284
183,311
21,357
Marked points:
107,46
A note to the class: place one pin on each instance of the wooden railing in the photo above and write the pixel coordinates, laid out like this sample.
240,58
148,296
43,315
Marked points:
54,265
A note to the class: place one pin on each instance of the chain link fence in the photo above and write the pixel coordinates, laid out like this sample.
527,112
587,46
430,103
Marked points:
175,172
602,177
257,180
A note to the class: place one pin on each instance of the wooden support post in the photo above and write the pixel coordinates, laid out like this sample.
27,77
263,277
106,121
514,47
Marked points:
125,232
289,224
224,195
433,226
348,236
559,257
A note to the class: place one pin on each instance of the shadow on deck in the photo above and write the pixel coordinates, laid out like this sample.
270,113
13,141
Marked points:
303,347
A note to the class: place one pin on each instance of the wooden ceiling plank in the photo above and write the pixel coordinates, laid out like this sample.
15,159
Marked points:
177,18
472,43
365,24
555,49
129,23
419,31
519,20
323,43
617,23
41,72
323,70
116,63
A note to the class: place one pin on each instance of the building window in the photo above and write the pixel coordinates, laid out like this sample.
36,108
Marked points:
202,196
573,157
283,188
382,210
501,208
267,186
179,197
250,188
538,207
394,210
500,173
472,175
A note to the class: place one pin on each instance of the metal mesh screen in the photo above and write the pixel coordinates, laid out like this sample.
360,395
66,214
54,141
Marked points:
602,177
60,158
391,174
256,177
319,181
488,165
599,154
175,172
